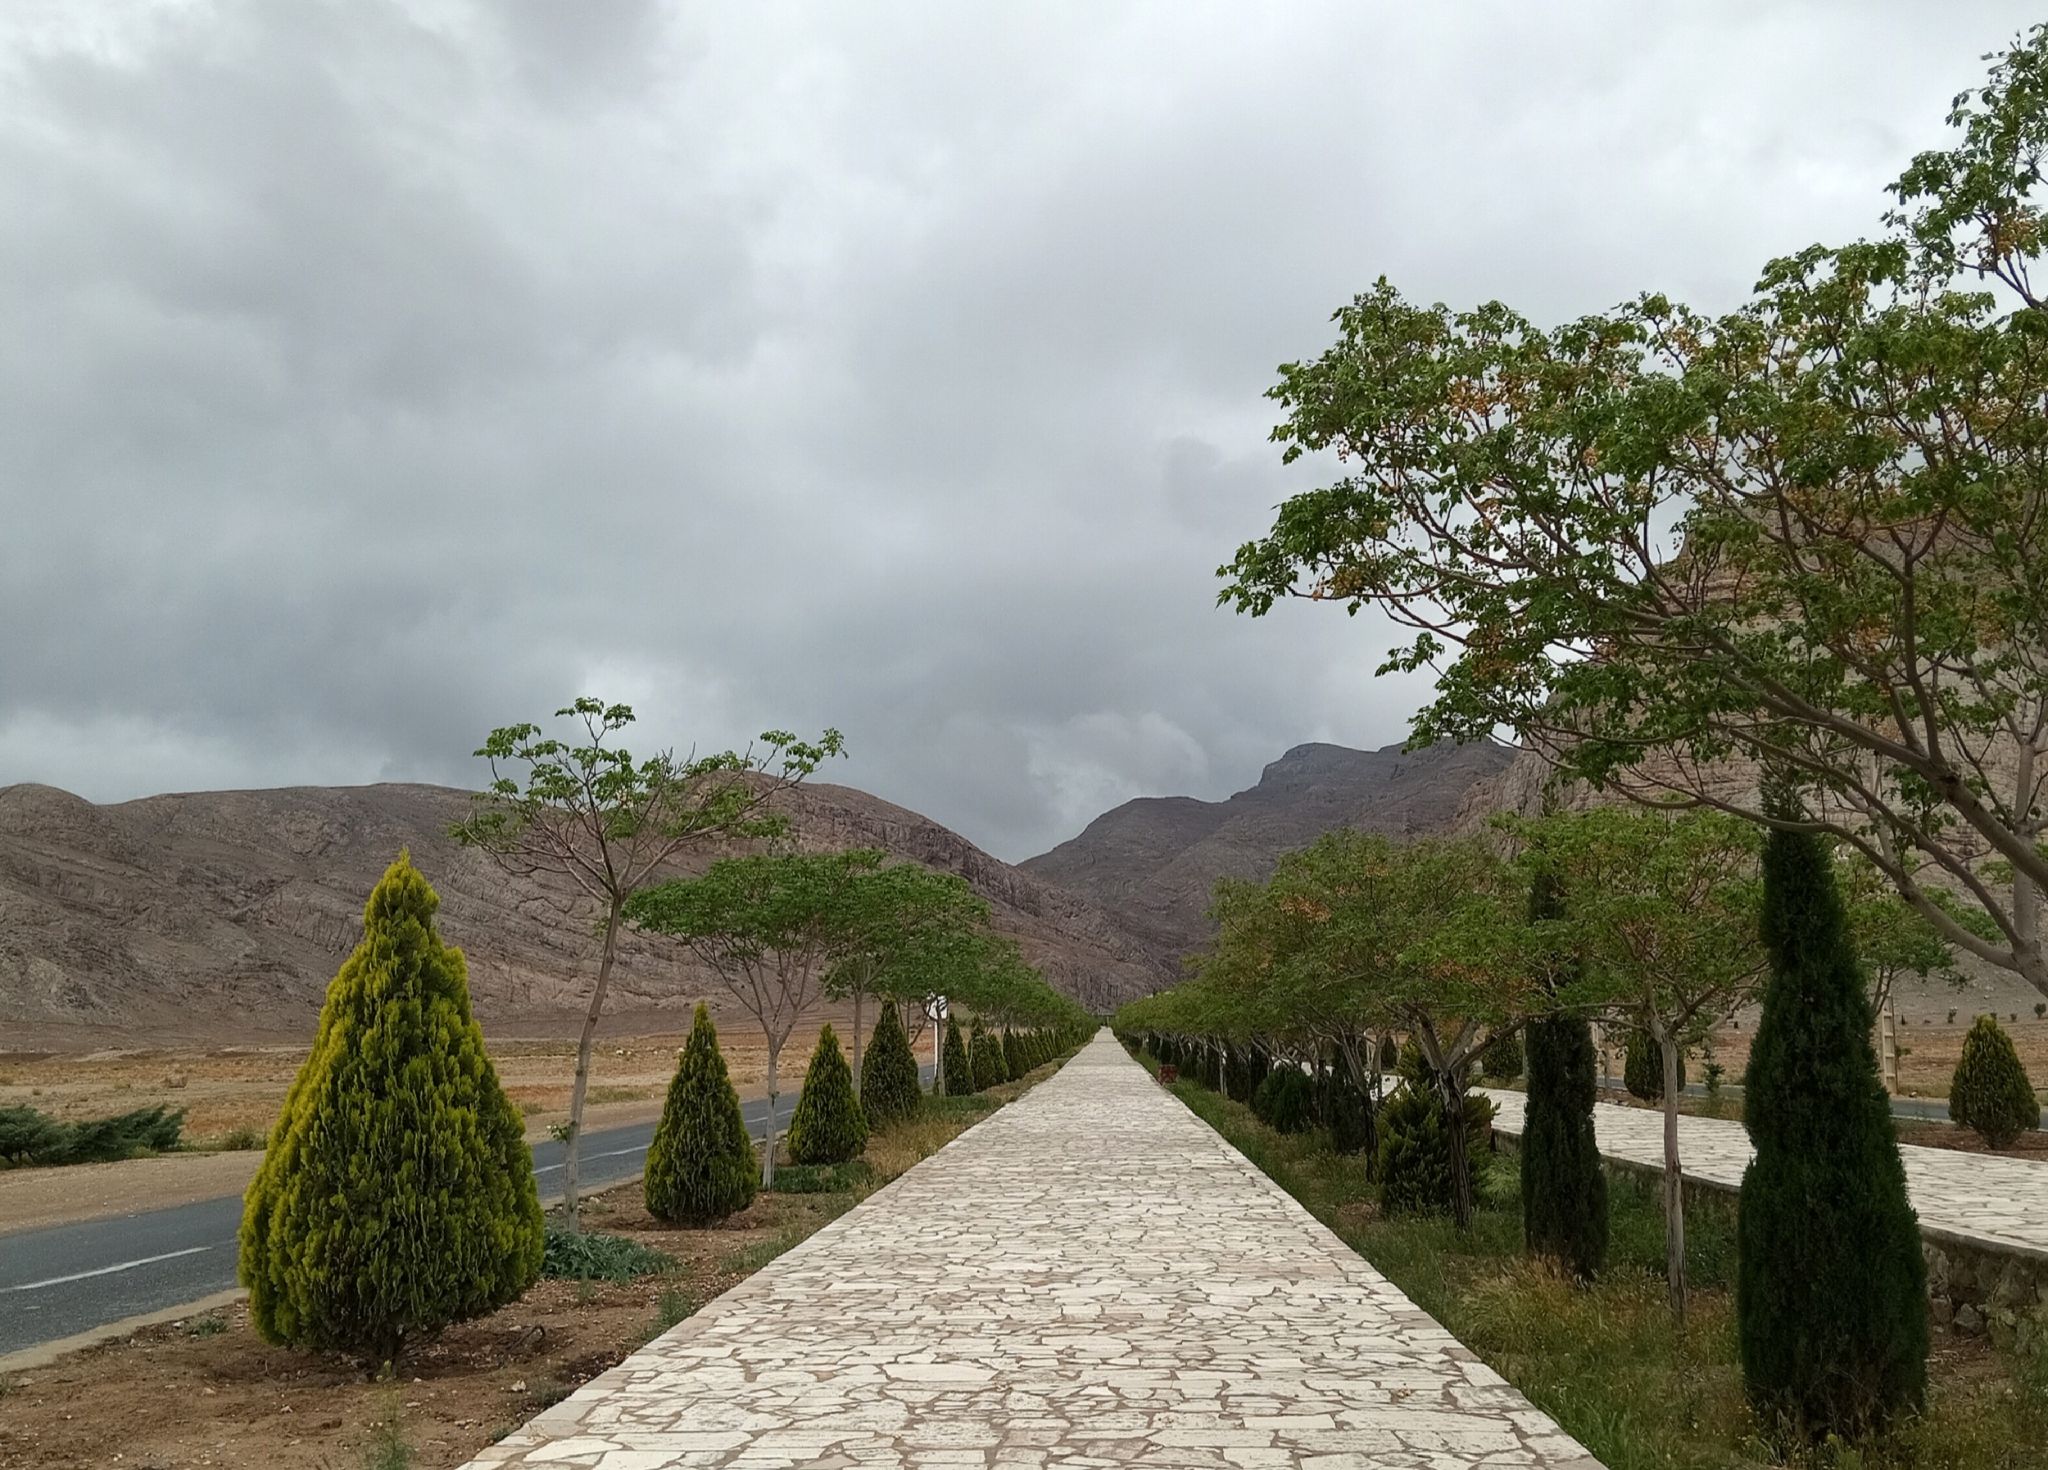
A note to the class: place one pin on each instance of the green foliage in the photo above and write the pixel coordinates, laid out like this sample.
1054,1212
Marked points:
31,1137
1642,1068
1244,1068
889,1089
1564,1185
958,1068
1832,1293
1285,1100
1990,1091
852,1177
985,1055
397,1195
1344,1108
1500,1060
701,1165
1415,1165
1014,1062
828,1126
588,1255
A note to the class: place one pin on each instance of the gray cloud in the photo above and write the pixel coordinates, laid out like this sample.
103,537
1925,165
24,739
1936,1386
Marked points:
379,373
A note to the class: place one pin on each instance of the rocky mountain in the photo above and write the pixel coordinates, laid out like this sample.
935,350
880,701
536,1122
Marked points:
222,915
1151,863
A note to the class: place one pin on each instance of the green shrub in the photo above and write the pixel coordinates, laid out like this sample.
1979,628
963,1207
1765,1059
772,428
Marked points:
958,1069
1414,1164
1346,1111
1642,1070
987,1056
587,1255
1500,1060
701,1166
828,1126
1831,1288
889,1089
397,1195
847,1178
1990,1091
1244,1068
31,1137
1014,1060
1283,1101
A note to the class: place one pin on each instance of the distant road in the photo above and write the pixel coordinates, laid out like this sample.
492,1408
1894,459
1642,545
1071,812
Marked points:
67,1279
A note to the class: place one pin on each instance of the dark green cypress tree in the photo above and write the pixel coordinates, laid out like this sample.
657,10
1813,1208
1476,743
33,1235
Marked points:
1282,1101
827,1126
1500,1060
1642,1067
1564,1187
397,1194
985,1053
889,1089
701,1166
1014,1061
1831,1288
958,1066
1990,1091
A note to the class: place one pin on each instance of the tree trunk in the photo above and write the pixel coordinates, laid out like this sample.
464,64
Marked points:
1888,1043
858,996
768,1154
573,1147
1453,1093
1674,1183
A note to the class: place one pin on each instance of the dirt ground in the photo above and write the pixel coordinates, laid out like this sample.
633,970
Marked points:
209,1392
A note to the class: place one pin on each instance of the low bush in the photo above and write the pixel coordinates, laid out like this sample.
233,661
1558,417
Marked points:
1283,1101
30,1137
1990,1091
1642,1071
1414,1165
587,1255
854,1175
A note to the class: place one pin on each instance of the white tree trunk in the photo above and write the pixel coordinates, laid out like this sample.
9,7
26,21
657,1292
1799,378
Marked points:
573,1147
768,1154
1674,1181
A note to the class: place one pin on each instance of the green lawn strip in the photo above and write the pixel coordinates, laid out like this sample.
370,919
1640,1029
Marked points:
1605,1362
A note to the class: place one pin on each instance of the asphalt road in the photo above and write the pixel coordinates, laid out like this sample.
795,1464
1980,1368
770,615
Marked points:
67,1279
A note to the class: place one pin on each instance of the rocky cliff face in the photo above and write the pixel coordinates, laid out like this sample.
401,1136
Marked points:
1151,863
222,915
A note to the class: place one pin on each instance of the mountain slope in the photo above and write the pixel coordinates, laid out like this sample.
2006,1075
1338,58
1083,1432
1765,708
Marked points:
1151,863
224,914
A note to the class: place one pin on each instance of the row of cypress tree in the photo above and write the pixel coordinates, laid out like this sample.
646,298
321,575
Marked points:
397,1193
1831,1289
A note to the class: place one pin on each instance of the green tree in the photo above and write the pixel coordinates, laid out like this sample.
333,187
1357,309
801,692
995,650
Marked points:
397,1193
828,1126
1831,1289
1990,1091
584,812
889,1090
767,926
985,1055
701,1165
1564,1184
957,1068
1665,547
896,920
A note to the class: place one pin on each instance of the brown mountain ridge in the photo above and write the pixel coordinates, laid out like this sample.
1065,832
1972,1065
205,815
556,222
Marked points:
221,916
1151,863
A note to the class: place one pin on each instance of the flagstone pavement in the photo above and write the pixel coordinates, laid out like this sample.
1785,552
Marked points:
1980,1199
1090,1277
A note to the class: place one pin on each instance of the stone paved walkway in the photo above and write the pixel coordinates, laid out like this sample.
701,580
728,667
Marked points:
1978,1198
1091,1277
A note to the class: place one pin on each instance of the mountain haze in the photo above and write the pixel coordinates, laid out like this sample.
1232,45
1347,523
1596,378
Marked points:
222,915
1152,862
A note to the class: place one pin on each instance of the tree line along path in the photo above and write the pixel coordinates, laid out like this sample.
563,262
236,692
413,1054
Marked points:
1090,1277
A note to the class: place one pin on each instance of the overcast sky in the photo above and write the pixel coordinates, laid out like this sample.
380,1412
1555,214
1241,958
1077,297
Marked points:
375,374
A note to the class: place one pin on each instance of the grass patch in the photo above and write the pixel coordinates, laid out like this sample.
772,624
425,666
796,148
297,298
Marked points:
1606,1361
857,1176
589,1255
616,1094
674,1306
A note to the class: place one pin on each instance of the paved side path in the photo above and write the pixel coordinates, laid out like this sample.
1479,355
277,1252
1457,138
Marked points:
1090,1277
1970,1197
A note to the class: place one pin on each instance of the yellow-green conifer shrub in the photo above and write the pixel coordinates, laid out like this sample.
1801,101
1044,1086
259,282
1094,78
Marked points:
397,1195
701,1166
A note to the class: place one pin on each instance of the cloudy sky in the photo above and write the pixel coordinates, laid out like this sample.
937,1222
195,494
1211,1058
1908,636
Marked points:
376,373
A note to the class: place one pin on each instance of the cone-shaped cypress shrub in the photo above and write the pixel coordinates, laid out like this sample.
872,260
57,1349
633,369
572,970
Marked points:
1282,1101
1990,1091
397,1194
1347,1113
1500,1060
1642,1069
889,1089
1415,1153
701,1165
1831,1290
986,1054
827,1126
1014,1060
959,1067
1244,1068
1564,1187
